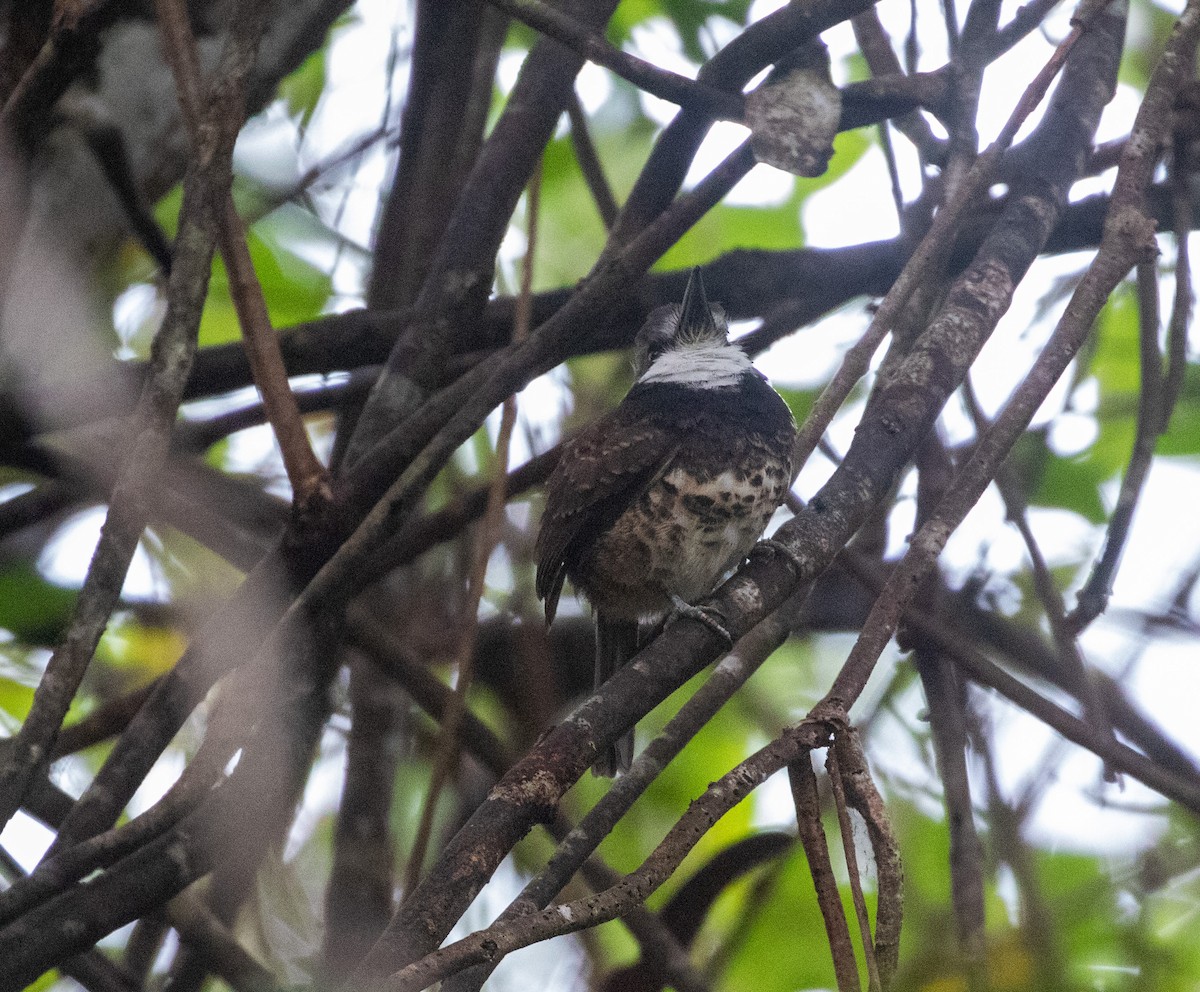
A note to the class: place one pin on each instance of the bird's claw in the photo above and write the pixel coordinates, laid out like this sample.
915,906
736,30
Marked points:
707,615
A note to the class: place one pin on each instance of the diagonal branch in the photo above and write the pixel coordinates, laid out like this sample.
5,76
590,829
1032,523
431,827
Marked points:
882,446
173,351
304,470
721,104
720,797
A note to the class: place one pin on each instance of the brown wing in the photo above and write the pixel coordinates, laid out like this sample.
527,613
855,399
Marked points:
603,470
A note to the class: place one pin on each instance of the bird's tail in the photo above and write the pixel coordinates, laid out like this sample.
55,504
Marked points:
616,643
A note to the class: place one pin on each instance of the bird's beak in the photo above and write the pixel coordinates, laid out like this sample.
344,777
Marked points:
695,316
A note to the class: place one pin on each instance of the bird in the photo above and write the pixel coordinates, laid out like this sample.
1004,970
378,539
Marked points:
652,504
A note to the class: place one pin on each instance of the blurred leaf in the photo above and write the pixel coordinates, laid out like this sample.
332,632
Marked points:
35,610
689,18
166,210
46,981
1150,25
302,89
1074,484
1182,436
799,401
15,697
717,748
769,962
1115,361
148,650
295,290
571,232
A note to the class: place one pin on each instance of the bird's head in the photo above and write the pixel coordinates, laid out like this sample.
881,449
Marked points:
679,336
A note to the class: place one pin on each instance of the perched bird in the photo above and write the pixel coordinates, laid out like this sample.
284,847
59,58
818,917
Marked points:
652,504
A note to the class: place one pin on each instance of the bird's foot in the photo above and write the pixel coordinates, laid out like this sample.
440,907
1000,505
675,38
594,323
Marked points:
707,615
774,547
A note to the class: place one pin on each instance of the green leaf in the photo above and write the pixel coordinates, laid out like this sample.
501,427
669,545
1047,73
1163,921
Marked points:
1182,436
1073,484
15,698
571,233
799,401
295,290
302,90
690,18
34,610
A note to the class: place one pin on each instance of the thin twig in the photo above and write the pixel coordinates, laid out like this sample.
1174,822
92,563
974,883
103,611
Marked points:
807,801
930,256
1129,236
489,537
1027,19
633,889
55,874
863,796
851,855
876,47
1061,628
1093,597
1175,784
173,351
742,661
1181,311
305,472
947,701
644,75
589,163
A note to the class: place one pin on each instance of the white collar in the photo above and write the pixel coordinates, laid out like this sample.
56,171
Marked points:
711,365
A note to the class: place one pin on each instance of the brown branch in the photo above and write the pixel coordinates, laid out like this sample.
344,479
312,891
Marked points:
1039,923
359,895
633,889
929,258
1126,238
452,69
947,701
742,661
59,871
1026,19
105,721
488,538
305,472
1061,627
876,47
664,952
460,274
864,797
882,445
173,350
663,83
589,163
1180,789
1181,310
1163,771
852,870
807,800
1161,381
